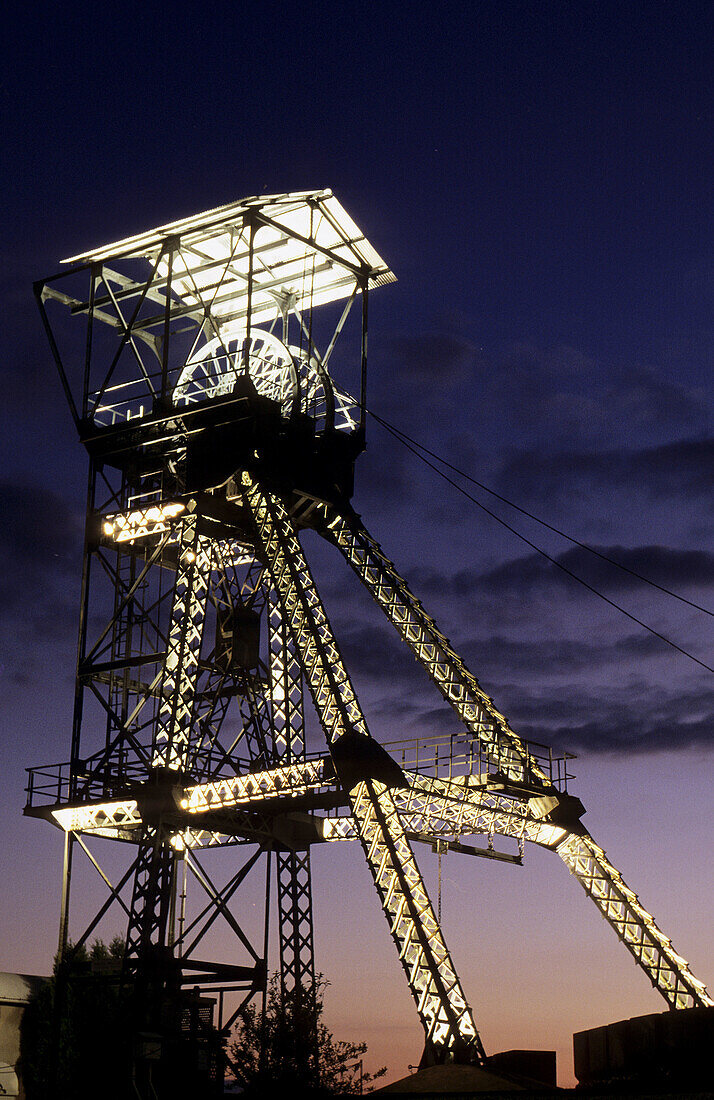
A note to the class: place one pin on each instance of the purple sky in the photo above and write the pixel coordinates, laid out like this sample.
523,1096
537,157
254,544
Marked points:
538,176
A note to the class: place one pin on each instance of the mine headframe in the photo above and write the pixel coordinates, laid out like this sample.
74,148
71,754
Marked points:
207,350
216,432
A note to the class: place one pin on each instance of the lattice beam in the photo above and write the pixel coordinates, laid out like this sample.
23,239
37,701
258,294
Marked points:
292,868
286,687
295,927
634,926
151,897
433,650
445,1015
188,612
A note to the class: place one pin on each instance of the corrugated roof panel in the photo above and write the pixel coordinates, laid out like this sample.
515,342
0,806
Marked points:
211,266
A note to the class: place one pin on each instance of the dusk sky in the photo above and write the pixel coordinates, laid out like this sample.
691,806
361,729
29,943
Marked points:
539,178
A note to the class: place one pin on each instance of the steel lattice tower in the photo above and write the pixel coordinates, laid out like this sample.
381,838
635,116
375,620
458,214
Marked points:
215,435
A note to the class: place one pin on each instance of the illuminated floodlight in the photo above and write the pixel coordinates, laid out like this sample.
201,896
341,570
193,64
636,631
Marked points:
292,780
142,523
99,817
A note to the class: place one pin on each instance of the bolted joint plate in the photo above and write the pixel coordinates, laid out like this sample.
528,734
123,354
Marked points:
562,810
161,795
357,757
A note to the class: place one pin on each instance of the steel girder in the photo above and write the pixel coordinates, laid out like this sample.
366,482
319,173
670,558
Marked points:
445,1015
453,808
295,926
178,688
154,878
189,697
224,683
652,950
151,899
634,926
185,726
190,712
286,690
433,650
434,805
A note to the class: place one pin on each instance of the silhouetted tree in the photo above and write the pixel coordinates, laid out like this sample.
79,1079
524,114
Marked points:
291,1052
75,1037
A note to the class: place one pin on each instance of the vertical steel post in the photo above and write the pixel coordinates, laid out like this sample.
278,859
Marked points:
82,630
88,346
167,327
182,905
266,934
249,304
363,360
171,931
64,902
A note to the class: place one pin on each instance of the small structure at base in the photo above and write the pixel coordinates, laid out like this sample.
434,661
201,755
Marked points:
456,1080
539,1066
15,992
665,1050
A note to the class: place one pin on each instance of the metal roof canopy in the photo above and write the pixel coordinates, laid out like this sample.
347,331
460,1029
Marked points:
260,256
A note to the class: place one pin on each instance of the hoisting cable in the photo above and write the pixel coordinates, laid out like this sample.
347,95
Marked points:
413,446
543,523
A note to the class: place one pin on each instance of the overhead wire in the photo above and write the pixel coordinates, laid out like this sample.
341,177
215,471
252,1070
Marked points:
543,523
416,449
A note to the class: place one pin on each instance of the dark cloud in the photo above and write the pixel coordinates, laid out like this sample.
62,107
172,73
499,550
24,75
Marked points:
671,568
663,565
572,419
629,721
427,357
647,399
561,394
684,468
554,656
377,654
417,374
555,690
40,550
409,716
573,719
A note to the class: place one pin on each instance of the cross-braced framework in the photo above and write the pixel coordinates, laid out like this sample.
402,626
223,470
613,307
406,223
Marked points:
216,434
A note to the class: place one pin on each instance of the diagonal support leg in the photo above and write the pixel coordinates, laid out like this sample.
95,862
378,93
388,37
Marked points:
633,925
436,804
445,1015
433,650
651,949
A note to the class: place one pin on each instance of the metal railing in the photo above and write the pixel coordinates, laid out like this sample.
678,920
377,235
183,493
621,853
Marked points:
459,754
96,778
442,755
216,377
